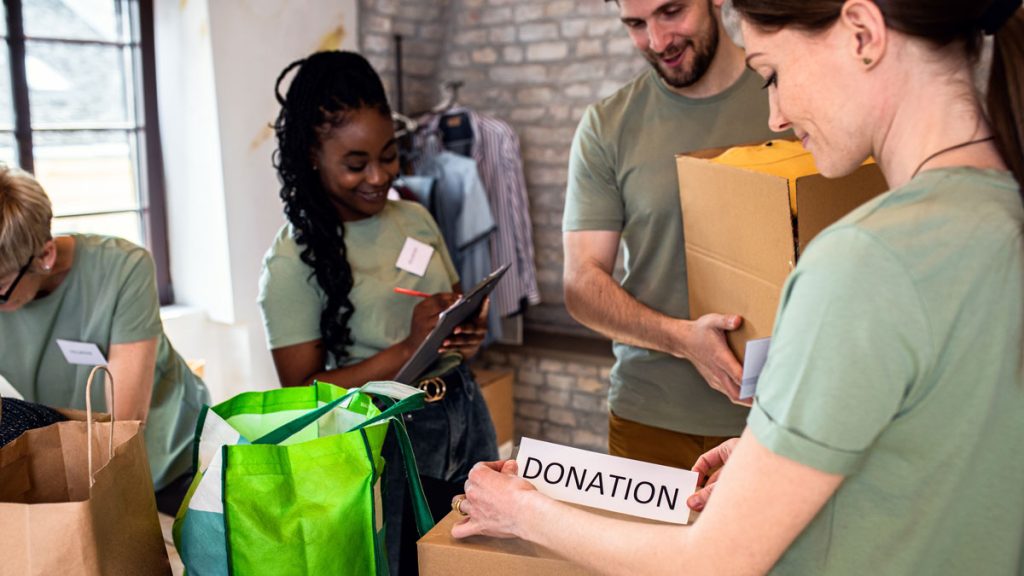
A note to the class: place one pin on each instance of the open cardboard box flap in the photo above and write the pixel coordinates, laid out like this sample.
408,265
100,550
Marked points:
742,238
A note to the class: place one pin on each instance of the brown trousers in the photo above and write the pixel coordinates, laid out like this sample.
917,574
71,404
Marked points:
657,445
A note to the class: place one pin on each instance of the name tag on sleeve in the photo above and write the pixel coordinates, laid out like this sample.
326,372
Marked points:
82,353
607,482
415,257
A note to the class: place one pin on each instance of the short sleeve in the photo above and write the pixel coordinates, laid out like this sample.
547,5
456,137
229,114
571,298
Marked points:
289,302
137,309
849,343
592,197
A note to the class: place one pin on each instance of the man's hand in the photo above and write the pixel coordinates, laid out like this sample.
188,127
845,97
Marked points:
706,347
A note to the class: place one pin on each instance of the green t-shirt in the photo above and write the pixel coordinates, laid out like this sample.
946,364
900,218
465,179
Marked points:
622,177
896,361
108,297
291,299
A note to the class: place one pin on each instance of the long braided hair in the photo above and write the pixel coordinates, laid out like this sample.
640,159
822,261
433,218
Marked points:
326,88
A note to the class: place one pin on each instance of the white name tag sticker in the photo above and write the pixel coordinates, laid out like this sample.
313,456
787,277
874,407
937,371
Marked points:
415,257
754,357
607,482
82,353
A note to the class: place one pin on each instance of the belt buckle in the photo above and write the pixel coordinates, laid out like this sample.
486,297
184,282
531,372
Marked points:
435,389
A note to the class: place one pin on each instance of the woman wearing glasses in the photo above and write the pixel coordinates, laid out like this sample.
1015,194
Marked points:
94,290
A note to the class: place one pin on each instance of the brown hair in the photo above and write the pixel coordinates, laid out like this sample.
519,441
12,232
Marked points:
25,215
942,22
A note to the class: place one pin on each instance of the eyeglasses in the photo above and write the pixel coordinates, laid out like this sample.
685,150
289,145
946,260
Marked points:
14,285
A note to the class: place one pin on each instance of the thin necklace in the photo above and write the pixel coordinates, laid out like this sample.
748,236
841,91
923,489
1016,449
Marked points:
949,149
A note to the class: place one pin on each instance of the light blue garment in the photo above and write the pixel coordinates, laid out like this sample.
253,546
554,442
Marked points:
460,206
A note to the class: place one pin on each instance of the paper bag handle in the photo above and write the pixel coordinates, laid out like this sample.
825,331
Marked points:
88,417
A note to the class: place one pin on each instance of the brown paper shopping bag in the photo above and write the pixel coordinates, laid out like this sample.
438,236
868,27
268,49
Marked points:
76,498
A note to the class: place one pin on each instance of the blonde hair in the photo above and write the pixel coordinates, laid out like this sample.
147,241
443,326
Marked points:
25,215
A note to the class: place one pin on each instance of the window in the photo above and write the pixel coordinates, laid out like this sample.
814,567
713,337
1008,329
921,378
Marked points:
77,109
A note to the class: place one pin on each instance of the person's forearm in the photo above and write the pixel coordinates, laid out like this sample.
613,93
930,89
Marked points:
597,301
606,545
381,366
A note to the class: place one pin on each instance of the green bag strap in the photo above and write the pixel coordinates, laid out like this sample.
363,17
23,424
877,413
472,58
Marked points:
420,507
289,429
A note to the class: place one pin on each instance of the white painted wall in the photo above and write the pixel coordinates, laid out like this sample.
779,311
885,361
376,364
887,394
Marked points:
216,66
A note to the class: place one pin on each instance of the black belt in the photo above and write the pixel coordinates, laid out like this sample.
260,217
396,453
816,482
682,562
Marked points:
437,387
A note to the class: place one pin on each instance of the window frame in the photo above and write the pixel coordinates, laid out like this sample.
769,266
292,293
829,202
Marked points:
149,158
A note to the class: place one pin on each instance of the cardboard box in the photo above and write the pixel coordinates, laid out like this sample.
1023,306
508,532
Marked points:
497,390
743,238
441,555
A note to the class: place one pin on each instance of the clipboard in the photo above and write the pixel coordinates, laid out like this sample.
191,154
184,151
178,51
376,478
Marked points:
467,306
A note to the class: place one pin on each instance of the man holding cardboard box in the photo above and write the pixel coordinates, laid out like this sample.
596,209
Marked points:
675,381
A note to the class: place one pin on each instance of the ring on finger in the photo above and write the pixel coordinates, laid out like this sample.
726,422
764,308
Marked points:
457,504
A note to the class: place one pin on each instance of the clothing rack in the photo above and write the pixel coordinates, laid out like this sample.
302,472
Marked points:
398,73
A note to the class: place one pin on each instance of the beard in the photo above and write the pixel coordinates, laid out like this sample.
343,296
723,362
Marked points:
704,48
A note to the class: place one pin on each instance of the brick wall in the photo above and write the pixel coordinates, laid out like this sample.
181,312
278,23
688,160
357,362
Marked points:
559,397
423,25
535,64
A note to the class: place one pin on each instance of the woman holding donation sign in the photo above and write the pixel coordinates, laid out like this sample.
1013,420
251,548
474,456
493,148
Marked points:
886,431
327,290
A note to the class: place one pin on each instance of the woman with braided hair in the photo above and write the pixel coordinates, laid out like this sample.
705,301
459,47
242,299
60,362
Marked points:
327,286
886,431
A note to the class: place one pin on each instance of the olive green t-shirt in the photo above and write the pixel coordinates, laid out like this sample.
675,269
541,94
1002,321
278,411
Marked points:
291,299
622,177
108,297
896,361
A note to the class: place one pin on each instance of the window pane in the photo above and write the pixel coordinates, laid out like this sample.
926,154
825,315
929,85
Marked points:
127,225
78,19
76,84
8,149
87,171
6,98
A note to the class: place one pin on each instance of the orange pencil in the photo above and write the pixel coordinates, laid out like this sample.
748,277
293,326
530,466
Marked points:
409,292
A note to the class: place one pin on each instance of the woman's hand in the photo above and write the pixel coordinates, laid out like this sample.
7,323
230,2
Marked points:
467,338
424,317
709,467
492,500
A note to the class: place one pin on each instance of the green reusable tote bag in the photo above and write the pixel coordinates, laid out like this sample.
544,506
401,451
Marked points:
289,482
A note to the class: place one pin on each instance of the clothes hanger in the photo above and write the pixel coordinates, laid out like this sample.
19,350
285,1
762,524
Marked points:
450,89
403,124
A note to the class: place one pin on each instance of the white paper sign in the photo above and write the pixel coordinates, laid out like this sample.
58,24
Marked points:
754,357
415,257
83,353
8,391
607,482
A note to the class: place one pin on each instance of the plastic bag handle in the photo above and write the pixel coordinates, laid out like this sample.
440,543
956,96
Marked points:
88,417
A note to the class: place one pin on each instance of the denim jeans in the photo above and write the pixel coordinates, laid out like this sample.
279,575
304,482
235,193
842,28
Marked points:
448,437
